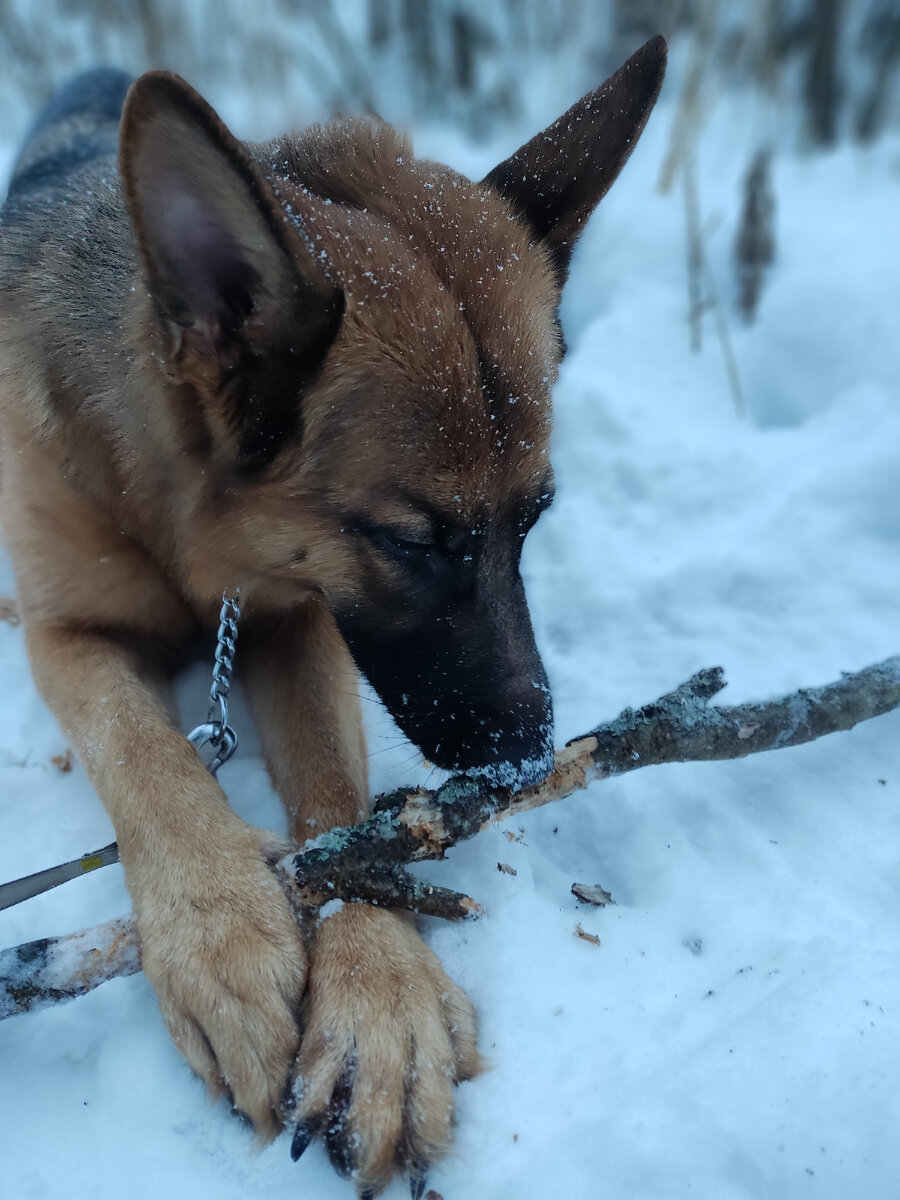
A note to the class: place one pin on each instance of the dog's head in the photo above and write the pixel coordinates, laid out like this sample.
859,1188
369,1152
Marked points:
361,347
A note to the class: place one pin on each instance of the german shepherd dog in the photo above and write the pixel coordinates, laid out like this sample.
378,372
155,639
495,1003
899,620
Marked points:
317,369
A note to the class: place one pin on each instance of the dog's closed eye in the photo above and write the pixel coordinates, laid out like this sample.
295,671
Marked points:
403,543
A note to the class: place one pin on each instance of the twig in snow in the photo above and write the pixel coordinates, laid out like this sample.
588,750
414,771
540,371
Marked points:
731,367
38,974
700,274
411,825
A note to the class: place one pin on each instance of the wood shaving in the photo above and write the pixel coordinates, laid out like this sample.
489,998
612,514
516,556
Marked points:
8,611
592,894
63,762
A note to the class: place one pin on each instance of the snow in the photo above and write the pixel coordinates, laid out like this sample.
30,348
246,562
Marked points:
737,1031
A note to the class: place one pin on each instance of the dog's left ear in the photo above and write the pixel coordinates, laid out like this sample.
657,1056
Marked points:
557,179
251,311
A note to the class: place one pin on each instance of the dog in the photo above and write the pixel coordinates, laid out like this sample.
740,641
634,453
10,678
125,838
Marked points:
317,369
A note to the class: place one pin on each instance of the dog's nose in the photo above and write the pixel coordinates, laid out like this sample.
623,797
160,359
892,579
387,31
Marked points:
510,744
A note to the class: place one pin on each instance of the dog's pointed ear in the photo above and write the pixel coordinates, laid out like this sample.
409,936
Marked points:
225,269
556,180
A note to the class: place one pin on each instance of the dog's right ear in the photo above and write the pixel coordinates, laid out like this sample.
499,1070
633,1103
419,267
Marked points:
556,180
246,300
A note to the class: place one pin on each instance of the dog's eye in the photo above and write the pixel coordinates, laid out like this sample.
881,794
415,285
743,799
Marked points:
401,545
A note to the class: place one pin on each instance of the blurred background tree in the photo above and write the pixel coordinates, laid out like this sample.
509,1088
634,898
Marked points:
832,64
801,75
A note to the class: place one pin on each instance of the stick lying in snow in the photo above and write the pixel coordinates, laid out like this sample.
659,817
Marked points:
367,862
44,972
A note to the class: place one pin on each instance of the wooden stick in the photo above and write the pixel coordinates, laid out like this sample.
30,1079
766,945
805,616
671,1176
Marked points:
367,862
41,973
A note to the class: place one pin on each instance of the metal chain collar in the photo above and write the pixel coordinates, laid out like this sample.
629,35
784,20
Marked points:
214,734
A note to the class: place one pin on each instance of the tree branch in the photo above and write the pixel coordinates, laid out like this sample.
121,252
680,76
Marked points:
38,974
367,862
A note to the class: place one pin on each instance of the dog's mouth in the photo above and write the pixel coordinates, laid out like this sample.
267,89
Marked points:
464,682
516,775
513,749
484,717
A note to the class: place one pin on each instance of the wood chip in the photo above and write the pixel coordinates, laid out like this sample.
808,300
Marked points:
507,869
585,936
8,611
592,894
63,762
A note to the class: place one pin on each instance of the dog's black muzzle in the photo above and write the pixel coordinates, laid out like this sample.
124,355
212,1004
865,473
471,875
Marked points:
467,685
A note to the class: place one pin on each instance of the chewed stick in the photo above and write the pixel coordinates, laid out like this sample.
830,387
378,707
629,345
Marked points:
38,974
367,862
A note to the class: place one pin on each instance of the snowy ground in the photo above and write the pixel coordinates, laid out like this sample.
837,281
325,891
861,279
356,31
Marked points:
737,1031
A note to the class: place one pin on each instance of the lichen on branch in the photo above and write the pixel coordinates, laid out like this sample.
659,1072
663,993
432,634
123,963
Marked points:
367,862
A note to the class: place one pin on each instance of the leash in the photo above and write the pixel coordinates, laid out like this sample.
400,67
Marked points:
215,741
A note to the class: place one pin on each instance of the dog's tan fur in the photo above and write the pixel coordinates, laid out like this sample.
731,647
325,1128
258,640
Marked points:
136,488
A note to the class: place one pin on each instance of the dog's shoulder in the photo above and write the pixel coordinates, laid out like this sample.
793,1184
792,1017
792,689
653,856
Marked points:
63,190
77,127
66,253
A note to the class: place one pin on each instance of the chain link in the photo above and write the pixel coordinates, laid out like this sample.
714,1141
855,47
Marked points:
216,732
223,667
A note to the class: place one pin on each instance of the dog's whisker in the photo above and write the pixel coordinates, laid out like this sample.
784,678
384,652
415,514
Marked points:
386,749
362,696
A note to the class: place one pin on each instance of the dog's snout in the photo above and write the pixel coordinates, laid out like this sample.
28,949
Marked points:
508,741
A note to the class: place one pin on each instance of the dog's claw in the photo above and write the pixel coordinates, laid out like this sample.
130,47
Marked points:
338,1134
418,1181
303,1135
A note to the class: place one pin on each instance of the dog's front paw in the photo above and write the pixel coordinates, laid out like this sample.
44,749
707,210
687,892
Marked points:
386,1035
224,954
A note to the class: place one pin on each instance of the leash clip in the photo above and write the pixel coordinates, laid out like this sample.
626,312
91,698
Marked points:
221,737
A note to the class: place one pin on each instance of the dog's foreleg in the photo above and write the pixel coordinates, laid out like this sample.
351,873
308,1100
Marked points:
220,945
386,1032
304,691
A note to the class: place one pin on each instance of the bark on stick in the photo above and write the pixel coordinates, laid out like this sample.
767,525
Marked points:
367,862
